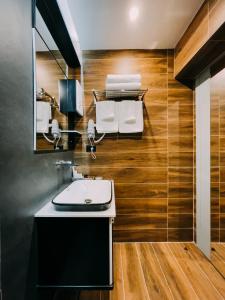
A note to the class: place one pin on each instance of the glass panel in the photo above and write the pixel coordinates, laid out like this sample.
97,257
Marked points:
202,93
218,171
50,68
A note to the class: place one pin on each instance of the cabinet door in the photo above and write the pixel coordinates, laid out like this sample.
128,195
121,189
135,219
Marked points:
74,252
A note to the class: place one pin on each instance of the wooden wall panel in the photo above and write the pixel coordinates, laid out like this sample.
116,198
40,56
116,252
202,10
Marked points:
153,172
202,44
216,15
194,38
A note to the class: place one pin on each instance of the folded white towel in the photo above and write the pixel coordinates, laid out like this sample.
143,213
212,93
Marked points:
130,116
44,114
123,78
123,86
109,118
131,120
106,117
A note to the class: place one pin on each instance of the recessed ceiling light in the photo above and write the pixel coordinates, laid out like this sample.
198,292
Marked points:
133,13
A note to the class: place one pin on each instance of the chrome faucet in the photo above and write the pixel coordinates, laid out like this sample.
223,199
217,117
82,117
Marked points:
65,163
70,164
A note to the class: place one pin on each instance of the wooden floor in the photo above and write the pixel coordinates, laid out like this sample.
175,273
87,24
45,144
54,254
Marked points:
218,256
144,271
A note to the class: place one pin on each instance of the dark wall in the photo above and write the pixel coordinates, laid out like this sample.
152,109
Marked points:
27,180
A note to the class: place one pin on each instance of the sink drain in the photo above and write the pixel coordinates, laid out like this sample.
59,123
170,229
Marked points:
87,201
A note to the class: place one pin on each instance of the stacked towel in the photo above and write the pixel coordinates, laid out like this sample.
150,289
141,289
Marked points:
124,117
123,86
123,78
106,117
123,82
44,114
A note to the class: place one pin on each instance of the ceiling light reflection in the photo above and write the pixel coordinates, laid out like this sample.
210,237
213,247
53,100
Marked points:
133,13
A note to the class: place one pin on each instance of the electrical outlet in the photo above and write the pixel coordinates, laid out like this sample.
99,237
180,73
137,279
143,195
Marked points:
90,148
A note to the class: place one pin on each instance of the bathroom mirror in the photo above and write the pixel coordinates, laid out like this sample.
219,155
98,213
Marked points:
217,102
49,69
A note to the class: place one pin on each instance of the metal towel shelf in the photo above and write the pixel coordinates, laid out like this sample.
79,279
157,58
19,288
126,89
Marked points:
119,95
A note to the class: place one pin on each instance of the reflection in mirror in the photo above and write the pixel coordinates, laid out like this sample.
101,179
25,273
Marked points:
218,171
57,99
54,130
48,74
43,31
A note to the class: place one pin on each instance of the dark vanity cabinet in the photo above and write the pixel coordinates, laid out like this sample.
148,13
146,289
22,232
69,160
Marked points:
74,252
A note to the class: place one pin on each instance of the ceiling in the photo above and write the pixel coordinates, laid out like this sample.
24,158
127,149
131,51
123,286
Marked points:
131,24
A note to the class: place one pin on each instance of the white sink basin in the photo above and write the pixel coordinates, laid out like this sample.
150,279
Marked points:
85,195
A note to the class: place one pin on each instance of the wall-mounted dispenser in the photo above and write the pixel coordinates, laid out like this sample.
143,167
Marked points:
91,129
56,133
91,147
71,96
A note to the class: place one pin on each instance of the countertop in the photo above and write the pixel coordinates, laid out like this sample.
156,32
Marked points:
49,211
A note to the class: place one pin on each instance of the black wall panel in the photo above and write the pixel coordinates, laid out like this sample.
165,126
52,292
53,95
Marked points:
27,180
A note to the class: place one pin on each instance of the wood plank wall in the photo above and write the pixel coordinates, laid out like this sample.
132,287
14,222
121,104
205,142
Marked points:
206,22
153,173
